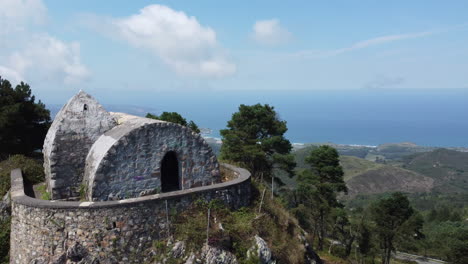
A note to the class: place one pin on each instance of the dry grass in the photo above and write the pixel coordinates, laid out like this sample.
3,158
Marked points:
274,224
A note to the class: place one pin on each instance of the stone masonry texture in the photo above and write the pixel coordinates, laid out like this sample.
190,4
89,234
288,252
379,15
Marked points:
113,161
75,128
125,162
105,232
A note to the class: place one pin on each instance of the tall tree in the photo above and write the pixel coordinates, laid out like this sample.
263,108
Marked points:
391,216
343,230
325,165
254,138
23,122
175,117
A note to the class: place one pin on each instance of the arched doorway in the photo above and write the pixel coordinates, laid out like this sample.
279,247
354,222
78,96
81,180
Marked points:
170,172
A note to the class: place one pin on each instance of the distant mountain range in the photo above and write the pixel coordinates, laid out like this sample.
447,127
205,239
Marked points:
400,167
386,151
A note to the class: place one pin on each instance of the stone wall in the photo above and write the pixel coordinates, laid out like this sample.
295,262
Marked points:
104,232
125,162
75,128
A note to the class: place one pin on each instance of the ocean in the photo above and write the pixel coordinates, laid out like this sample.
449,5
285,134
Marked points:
363,117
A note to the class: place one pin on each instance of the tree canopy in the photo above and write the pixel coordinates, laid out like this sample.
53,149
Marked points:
254,138
318,187
23,121
392,217
175,117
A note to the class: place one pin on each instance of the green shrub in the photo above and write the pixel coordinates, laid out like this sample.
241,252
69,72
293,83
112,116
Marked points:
45,195
4,241
32,169
274,224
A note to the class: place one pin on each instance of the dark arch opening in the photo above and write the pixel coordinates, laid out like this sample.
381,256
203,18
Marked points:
85,107
170,172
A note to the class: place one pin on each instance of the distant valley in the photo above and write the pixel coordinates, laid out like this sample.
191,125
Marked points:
404,167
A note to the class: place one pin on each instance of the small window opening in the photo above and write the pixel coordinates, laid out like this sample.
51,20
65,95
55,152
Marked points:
85,107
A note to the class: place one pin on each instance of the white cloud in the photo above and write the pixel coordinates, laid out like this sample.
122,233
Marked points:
383,82
10,74
31,56
362,44
46,57
17,15
382,40
179,40
270,32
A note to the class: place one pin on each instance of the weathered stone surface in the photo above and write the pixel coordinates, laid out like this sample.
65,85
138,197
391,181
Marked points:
5,207
213,255
125,161
38,261
75,128
191,259
261,250
77,252
111,232
178,250
111,157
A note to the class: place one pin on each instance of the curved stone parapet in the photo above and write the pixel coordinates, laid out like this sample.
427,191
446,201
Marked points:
126,161
111,231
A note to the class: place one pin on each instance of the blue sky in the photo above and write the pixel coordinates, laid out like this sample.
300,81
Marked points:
121,48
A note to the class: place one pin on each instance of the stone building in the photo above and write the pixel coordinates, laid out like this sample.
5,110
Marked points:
102,156
128,173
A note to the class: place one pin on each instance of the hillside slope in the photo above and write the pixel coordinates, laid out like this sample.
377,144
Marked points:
368,177
388,179
448,168
353,166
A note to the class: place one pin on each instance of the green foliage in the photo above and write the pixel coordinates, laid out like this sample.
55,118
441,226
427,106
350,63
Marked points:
343,230
45,195
446,240
23,122
254,138
273,223
83,188
33,172
4,241
325,163
193,126
448,168
317,190
391,217
364,237
459,248
175,117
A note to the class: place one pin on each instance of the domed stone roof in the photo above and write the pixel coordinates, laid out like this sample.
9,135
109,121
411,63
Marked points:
128,160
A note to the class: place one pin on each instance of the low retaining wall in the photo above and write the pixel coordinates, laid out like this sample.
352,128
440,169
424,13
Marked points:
105,232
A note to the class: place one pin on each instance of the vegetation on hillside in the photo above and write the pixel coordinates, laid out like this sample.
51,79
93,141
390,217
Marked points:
319,186
175,117
254,139
23,121
234,231
394,219
33,173
23,127
4,241
310,208
449,168
32,169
